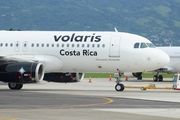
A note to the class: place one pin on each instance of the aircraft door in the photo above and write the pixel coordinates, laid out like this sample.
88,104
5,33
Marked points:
25,46
17,46
115,47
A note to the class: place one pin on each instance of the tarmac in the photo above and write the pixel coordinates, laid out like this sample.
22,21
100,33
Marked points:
93,100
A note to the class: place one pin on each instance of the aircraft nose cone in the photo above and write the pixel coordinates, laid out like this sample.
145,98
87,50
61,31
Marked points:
163,58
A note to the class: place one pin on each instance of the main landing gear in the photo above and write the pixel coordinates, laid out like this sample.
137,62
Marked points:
15,86
119,86
157,77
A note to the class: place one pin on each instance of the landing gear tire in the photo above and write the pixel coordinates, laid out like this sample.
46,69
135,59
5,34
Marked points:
119,87
15,86
155,78
160,78
139,78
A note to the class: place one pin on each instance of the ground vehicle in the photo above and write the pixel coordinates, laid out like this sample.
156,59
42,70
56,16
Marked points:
176,81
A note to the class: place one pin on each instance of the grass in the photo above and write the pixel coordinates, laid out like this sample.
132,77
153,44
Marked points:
107,75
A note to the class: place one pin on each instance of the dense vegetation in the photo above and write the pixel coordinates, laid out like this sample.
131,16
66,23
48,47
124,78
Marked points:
158,20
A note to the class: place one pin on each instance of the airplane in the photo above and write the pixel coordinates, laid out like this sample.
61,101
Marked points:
64,56
171,68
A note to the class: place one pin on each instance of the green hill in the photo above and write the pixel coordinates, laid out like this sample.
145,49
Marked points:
157,20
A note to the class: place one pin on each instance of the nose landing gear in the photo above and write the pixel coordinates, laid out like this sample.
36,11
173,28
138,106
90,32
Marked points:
119,86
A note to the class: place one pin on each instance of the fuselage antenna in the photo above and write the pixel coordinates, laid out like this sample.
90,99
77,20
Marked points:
115,29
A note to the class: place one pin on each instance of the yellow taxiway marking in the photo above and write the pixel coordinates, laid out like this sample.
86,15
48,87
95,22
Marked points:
5,118
109,100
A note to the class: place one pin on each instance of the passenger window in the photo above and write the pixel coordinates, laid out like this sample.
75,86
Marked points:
82,45
62,45
103,45
37,45
6,44
136,45
87,45
25,44
57,45
93,45
47,45
42,45
72,45
98,45
11,44
143,45
67,45
32,45
52,45
77,45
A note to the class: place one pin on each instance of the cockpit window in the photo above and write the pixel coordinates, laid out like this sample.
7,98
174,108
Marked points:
136,45
143,45
151,45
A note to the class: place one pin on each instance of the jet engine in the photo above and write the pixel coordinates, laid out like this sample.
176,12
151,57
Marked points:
21,72
63,77
138,75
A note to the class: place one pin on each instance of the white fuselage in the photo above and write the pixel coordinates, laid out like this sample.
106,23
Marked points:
82,51
174,53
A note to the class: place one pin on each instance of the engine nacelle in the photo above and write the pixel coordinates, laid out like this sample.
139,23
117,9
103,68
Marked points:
130,74
21,72
63,77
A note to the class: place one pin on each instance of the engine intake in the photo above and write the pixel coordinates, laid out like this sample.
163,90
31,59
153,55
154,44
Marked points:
21,72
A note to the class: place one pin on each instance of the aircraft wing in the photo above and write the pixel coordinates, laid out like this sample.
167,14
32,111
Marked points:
165,69
18,58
